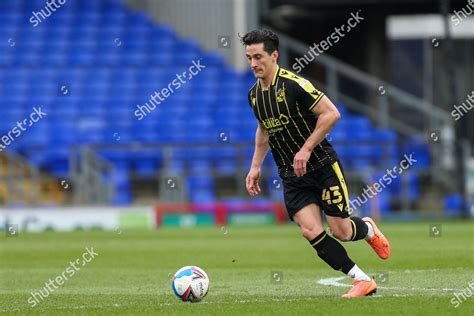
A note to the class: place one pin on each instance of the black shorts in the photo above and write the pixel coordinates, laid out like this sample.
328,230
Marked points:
325,187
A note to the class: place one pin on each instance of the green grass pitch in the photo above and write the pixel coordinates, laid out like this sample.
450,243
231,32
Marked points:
131,275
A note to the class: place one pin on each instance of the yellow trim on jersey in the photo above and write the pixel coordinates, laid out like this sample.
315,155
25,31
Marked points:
296,126
303,83
256,82
266,113
337,170
289,75
316,101
253,101
260,115
279,113
309,130
256,102
275,75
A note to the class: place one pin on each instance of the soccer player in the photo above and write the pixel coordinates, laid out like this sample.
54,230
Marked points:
293,119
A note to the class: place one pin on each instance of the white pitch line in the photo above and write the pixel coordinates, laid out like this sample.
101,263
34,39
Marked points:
333,282
336,282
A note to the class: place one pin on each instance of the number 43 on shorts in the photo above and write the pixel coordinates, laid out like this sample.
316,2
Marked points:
332,195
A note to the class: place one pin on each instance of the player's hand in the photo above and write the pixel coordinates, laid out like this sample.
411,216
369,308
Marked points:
253,177
300,161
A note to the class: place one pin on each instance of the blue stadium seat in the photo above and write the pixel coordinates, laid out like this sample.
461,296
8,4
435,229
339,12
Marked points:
123,194
200,167
146,163
453,204
111,60
200,188
177,166
202,182
227,167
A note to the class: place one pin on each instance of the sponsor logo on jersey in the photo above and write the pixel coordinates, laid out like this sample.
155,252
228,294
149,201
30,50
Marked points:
272,122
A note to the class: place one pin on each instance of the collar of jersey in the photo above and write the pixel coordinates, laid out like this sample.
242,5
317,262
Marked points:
273,80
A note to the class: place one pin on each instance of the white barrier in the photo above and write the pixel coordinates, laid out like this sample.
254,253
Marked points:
69,219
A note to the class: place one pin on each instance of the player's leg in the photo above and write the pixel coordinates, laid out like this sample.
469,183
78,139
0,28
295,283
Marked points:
335,199
355,228
348,228
331,193
328,249
331,251
302,205
309,221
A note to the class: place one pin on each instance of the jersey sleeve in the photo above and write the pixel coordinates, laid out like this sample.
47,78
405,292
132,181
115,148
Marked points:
249,98
307,95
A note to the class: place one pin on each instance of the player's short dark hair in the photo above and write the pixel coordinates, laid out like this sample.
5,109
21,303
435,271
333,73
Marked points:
268,38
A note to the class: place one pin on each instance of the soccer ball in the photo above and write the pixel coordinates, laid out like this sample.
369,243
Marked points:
190,284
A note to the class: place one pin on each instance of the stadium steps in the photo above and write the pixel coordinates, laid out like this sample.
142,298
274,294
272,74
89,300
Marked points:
23,185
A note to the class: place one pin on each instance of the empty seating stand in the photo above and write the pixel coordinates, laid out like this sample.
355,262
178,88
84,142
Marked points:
90,64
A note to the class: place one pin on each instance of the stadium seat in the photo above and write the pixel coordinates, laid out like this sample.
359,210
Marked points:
453,204
112,59
201,188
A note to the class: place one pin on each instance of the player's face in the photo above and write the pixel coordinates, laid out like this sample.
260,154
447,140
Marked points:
260,61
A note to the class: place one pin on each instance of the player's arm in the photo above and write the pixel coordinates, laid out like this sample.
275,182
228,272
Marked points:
261,149
327,113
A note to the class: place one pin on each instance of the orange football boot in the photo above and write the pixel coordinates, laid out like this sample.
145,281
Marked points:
361,288
378,242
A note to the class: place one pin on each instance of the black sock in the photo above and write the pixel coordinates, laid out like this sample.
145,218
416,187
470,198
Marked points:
332,252
359,228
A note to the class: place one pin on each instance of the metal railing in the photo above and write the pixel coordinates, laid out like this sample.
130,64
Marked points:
92,177
172,183
384,99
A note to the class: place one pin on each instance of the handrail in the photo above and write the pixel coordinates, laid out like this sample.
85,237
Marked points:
336,67
87,171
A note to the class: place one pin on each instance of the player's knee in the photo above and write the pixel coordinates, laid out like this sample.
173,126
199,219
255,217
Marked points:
341,234
311,232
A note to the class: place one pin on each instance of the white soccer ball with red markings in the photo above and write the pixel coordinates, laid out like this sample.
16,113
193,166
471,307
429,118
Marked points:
190,284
